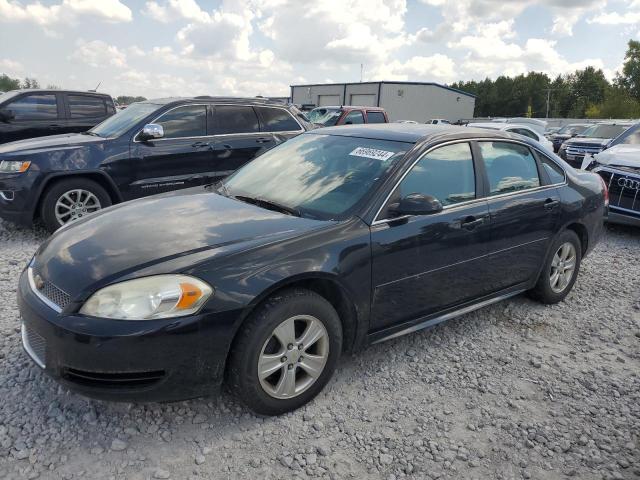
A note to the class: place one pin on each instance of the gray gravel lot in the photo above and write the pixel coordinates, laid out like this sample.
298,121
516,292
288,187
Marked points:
516,390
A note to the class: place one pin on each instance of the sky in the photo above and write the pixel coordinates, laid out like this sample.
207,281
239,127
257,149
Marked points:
161,48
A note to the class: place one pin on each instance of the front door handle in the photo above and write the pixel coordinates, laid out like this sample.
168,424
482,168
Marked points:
263,140
200,144
550,203
471,222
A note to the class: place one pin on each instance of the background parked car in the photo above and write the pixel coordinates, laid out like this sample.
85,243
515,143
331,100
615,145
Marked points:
525,130
36,113
151,147
347,115
438,121
593,140
567,132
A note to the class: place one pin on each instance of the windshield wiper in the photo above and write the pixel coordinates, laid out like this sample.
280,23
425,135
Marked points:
270,204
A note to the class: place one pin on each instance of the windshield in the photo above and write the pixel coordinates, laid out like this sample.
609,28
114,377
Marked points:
571,129
320,176
604,131
122,121
325,116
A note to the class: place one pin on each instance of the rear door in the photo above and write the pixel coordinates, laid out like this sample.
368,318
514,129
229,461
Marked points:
182,158
354,117
524,211
427,263
85,111
34,115
375,116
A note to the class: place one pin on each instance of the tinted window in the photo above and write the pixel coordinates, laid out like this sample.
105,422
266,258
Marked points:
353,118
34,107
277,120
446,173
85,106
236,119
124,120
556,174
376,117
632,139
188,121
510,167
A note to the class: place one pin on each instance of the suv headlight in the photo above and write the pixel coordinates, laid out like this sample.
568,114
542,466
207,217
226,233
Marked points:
149,298
14,166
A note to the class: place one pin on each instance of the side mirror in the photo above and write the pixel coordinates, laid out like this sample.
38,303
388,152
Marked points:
6,115
417,204
152,131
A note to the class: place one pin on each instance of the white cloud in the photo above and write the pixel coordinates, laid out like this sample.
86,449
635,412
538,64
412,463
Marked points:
98,54
68,11
11,67
435,67
615,18
174,10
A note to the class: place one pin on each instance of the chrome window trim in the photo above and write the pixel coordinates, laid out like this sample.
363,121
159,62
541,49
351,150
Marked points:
27,347
301,130
37,293
377,221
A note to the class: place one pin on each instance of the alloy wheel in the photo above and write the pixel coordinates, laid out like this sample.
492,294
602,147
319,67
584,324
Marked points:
293,357
75,204
563,267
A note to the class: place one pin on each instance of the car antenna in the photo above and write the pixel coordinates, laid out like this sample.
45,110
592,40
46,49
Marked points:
97,86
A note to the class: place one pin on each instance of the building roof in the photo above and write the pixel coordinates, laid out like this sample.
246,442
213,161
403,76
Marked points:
433,84
208,98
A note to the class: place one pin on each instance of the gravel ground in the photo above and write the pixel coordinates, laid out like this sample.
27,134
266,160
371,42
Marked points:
516,390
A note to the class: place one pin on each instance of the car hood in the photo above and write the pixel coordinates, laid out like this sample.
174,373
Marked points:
131,237
620,156
57,142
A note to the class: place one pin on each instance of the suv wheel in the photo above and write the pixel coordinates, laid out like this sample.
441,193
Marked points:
72,199
286,352
561,269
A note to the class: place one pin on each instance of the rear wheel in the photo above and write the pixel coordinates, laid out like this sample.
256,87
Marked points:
72,199
286,352
561,269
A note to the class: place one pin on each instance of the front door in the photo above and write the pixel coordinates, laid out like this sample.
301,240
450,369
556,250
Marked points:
182,158
524,212
427,263
33,115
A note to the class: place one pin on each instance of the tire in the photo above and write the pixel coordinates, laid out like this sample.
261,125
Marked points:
72,186
258,335
544,290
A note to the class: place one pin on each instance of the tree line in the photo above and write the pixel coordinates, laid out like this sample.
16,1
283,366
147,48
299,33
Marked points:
584,93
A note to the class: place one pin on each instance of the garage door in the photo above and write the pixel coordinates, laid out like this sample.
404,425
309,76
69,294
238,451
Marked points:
363,100
328,100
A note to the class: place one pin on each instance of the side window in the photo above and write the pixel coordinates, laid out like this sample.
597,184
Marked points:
277,120
446,173
375,117
42,106
235,119
86,106
556,174
354,118
510,167
525,132
187,121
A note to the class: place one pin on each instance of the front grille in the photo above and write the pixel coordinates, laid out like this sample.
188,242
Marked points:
624,190
113,379
51,292
578,150
35,345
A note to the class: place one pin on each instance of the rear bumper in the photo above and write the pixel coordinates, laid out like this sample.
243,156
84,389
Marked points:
143,361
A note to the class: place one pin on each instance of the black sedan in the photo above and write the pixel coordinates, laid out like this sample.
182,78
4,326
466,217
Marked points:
337,238
151,147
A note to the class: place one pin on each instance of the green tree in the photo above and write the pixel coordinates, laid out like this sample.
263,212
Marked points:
126,99
629,79
7,83
30,83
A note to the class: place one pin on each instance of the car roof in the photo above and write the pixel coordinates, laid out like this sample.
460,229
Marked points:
411,132
212,99
56,90
351,107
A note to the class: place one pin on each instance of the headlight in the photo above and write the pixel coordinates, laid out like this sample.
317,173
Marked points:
148,298
13,166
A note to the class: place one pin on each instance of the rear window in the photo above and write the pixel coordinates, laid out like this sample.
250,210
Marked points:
277,120
86,106
235,119
376,117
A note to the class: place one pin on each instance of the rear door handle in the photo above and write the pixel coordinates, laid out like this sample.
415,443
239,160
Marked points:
264,140
471,222
200,144
550,203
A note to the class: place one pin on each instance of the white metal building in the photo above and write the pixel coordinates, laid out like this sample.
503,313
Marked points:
402,100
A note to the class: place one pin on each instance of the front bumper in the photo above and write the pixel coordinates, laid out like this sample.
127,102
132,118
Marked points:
18,196
623,219
156,360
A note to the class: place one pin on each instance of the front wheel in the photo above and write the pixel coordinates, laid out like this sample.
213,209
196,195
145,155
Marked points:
560,270
286,352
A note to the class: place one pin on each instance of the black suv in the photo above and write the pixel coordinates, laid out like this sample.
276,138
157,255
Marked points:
36,113
151,147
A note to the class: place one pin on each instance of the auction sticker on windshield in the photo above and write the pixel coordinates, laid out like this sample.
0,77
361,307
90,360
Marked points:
374,153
